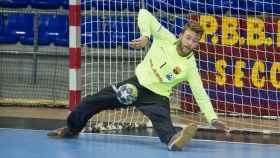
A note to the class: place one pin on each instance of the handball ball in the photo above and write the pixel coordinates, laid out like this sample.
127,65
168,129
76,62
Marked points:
127,94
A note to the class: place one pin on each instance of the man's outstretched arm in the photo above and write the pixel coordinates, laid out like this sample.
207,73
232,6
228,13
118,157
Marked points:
203,100
150,27
201,96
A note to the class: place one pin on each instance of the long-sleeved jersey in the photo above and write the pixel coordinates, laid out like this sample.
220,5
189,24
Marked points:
163,68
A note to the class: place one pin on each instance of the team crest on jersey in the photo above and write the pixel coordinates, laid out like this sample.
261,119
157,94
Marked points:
169,76
177,70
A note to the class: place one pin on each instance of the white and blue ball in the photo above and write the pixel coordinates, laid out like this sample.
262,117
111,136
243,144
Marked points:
126,94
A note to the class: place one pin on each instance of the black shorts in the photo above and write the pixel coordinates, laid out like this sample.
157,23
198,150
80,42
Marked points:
154,106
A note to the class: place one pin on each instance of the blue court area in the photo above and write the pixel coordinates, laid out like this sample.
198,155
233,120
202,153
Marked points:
15,143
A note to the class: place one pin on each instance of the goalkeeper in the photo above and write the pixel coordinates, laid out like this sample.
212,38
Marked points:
168,62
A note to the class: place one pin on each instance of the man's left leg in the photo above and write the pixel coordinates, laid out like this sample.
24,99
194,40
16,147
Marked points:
158,111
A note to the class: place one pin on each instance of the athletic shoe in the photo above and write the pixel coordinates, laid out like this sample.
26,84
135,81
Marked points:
178,141
63,132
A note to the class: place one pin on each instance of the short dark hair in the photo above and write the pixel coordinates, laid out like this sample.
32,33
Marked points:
193,26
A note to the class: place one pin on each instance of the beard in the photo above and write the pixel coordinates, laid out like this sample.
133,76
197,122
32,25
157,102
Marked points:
183,50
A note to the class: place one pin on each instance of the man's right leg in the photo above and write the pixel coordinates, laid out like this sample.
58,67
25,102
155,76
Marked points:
90,105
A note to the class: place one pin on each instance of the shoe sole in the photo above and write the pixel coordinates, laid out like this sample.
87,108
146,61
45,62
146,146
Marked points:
56,136
59,133
186,135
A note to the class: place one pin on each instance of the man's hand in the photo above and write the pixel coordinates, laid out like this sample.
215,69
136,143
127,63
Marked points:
220,125
139,42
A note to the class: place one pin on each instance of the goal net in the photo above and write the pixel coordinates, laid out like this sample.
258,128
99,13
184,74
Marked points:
238,58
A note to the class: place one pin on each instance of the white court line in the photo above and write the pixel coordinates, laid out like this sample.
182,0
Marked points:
148,137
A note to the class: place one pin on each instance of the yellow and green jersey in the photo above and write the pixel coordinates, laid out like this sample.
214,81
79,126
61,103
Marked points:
163,68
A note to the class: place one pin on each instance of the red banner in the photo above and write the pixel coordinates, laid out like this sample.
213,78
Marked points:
239,60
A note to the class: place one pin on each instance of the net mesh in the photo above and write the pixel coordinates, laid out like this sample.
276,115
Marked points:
33,68
238,57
